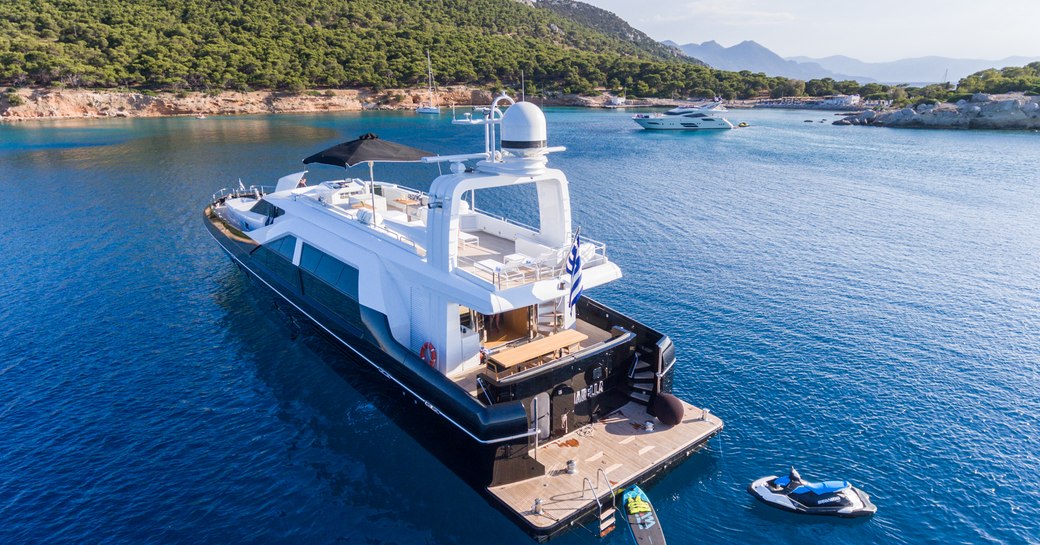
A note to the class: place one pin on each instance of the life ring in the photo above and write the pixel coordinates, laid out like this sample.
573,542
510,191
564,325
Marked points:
429,354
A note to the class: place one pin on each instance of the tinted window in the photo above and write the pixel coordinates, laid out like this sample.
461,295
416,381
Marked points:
335,301
330,270
279,264
265,208
348,281
309,258
285,246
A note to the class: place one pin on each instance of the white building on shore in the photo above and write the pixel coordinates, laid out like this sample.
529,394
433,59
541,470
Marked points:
841,101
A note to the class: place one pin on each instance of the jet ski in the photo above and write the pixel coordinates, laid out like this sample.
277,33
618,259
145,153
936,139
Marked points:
791,493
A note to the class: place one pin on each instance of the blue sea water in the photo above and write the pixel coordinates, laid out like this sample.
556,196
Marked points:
862,303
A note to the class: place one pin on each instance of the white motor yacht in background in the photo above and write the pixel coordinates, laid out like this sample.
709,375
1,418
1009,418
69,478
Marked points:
686,118
514,373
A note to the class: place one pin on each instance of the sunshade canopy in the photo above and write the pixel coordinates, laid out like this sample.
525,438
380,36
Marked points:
367,148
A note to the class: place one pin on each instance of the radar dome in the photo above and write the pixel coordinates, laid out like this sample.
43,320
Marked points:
523,128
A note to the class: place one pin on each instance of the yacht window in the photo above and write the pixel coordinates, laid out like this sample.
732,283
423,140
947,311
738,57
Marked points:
286,246
265,208
335,301
309,257
277,256
330,270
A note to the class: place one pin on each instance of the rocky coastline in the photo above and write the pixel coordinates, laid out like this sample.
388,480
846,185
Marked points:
1013,111
47,103
44,103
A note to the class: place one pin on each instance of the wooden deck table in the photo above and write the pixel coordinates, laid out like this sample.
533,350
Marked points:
507,359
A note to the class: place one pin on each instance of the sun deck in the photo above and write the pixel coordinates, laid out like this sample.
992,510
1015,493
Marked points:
503,262
619,446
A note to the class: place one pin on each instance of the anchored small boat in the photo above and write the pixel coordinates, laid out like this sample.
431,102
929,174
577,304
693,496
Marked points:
431,106
791,493
642,518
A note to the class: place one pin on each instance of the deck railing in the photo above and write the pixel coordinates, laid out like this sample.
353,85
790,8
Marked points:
510,275
236,192
343,215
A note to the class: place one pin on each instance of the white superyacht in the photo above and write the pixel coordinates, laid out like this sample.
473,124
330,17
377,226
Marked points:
685,118
544,400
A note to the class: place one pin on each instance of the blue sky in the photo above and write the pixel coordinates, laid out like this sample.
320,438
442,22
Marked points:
875,30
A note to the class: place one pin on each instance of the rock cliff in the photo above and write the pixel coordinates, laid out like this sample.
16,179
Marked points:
65,103
1012,111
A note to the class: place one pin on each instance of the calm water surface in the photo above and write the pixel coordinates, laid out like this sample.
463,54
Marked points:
861,303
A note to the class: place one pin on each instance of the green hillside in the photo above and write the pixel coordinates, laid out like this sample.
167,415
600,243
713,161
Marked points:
608,23
295,44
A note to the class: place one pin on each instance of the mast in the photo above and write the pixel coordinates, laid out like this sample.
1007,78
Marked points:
429,72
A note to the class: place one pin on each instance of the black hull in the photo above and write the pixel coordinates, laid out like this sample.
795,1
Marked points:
484,445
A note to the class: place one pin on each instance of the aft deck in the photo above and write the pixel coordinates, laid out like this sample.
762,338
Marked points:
467,380
616,447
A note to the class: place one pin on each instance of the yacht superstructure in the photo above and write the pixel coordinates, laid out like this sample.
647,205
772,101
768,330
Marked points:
480,319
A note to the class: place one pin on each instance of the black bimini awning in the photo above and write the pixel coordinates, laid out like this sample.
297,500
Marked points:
369,148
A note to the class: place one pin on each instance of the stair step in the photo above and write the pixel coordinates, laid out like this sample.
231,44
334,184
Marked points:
605,527
607,514
644,375
648,388
639,397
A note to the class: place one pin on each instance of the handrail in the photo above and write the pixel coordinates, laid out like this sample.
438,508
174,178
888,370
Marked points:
592,488
235,192
635,363
666,369
613,494
480,382
504,277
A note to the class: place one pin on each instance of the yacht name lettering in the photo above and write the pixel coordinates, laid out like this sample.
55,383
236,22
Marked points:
588,392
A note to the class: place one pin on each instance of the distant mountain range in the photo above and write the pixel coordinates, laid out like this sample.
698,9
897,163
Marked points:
749,55
919,70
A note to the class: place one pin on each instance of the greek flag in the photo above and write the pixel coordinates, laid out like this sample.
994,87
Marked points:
574,269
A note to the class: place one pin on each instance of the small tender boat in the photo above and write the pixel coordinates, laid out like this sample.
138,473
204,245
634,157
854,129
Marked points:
642,519
791,493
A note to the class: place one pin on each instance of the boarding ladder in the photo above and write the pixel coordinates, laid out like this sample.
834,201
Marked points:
607,520
549,318
641,381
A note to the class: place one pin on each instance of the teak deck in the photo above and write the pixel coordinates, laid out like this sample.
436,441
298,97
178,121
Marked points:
618,445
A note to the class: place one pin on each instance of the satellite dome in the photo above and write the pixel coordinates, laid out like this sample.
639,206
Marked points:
523,128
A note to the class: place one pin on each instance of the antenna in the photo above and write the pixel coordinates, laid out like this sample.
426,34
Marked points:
523,89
